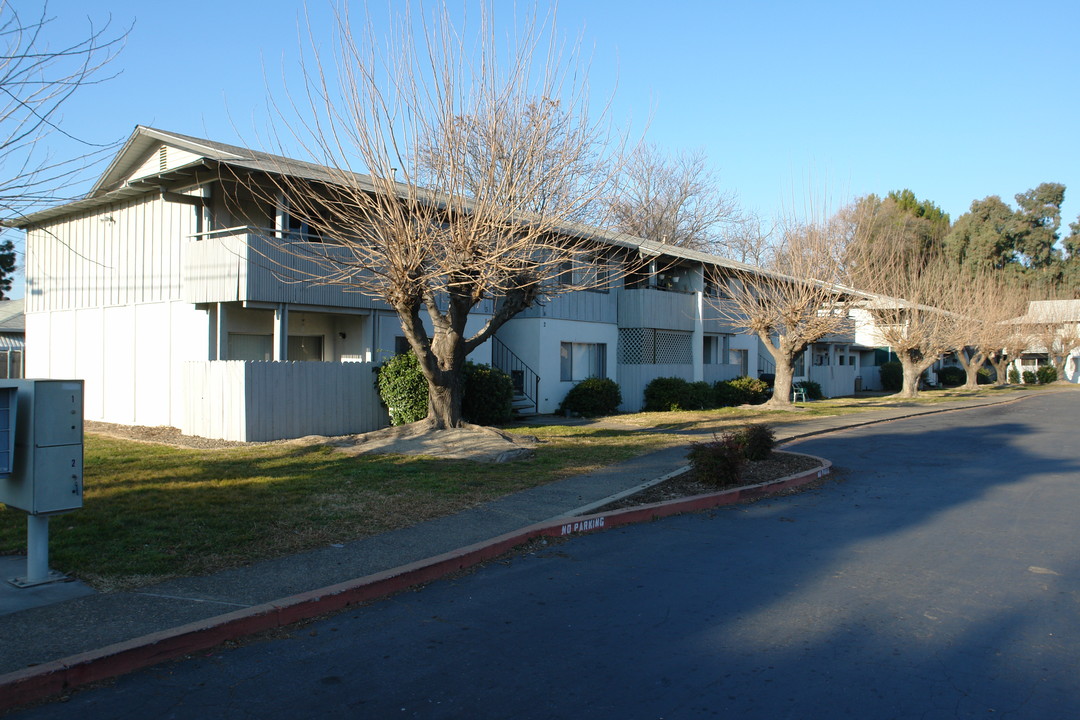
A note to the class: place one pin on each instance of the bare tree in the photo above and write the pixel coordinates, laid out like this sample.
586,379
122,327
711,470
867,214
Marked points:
36,79
675,200
976,317
481,156
748,240
1053,327
906,312
790,306
1011,301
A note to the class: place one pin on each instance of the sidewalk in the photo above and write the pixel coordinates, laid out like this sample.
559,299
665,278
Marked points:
41,629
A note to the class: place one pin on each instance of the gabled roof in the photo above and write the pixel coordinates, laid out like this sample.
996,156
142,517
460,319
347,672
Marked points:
1051,311
211,156
12,317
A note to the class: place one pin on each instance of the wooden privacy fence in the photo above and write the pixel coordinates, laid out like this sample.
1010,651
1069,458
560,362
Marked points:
258,401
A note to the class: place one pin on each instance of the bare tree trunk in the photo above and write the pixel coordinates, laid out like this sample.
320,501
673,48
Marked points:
781,396
1001,369
913,365
971,364
783,354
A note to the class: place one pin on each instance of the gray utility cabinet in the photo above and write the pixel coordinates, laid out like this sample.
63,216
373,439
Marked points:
47,468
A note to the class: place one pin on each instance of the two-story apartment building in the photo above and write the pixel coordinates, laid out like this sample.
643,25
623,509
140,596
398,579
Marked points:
164,290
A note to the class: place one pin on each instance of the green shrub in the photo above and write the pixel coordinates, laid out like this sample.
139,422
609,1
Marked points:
700,396
725,395
668,393
758,441
740,391
1030,378
1014,376
403,388
719,462
813,389
952,376
983,377
1046,374
488,395
591,397
892,375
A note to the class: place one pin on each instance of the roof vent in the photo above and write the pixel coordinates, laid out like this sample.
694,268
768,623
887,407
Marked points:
163,158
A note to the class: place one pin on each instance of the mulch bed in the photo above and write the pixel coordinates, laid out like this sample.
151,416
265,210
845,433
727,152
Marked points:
780,464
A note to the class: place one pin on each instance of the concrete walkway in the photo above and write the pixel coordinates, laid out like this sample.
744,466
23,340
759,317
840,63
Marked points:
44,631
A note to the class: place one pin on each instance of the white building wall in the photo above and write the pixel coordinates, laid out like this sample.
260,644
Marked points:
538,341
129,357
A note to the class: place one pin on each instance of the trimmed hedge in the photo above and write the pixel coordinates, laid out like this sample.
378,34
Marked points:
670,393
952,376
488,395
742,391
403,388
1046,374
592,397
892,375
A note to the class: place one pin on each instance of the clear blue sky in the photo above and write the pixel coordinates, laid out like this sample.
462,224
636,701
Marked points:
954,100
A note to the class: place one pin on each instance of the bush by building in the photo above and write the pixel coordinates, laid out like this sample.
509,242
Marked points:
592,397
488,395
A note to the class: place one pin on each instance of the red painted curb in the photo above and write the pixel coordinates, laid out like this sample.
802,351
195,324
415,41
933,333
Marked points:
25,686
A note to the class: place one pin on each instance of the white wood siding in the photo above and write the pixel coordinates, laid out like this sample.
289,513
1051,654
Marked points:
130,357
126,254
648,308
634,378
257,401
584,306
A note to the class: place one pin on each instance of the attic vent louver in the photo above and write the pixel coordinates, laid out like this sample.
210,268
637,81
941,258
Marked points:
163,158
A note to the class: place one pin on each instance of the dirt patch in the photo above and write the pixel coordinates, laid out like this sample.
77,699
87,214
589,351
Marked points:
471,442
779,464
162,435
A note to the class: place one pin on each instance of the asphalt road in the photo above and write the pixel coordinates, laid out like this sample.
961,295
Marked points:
935,576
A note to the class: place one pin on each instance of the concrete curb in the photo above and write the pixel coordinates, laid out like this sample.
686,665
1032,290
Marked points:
39,682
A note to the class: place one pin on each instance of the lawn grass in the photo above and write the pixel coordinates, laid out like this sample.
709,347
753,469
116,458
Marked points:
153,511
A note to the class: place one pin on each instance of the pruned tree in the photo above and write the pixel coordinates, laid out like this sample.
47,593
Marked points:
980,306
795,303
480,157
673,199
1053,327
37,78
907,310
1006,339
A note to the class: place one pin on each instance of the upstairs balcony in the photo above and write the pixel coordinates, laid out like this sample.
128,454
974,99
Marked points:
245,264
650,307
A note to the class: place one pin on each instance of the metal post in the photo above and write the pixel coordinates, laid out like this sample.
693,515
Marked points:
37,554
37,548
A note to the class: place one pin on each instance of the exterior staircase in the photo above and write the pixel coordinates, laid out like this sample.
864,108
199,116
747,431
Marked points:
526,382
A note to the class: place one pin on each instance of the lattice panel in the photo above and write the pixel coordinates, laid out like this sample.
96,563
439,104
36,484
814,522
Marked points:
674,348
645,346
636,346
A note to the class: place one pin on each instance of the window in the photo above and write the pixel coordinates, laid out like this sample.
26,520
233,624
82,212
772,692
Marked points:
711,351
251,347
401,345
11,364
305,348
586,272
578,361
